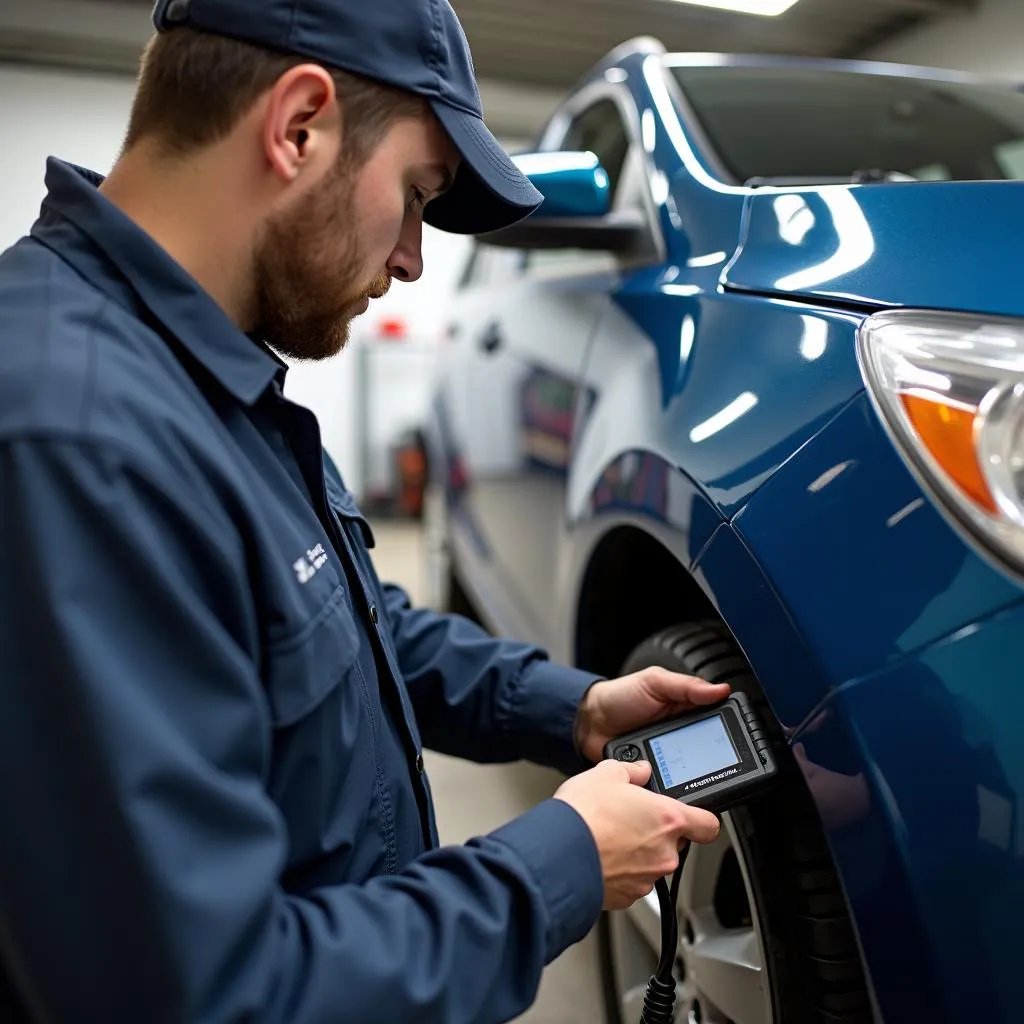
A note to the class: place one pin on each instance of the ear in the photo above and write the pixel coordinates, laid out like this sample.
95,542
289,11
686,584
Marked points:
302,122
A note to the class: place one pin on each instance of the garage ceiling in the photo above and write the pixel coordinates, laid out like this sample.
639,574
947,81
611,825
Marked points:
527,51
552,42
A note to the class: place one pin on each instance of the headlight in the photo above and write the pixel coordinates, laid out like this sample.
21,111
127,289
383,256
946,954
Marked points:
950,389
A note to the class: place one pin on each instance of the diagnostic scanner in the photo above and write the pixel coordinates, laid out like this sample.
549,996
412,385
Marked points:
713,757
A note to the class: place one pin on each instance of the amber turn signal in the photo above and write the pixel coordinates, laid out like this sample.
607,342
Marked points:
948,432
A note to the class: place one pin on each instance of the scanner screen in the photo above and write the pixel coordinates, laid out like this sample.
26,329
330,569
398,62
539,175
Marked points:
693,751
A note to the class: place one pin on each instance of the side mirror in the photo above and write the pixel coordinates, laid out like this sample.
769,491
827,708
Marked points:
576,212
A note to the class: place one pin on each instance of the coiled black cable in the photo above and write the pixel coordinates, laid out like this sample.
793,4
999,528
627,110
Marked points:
660,998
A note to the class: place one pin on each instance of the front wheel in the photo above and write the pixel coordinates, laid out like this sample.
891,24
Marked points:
765,937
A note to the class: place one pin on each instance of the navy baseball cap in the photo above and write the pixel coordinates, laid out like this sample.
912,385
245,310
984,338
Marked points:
416,45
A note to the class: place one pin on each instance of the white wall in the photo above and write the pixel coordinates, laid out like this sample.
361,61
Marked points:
988,41
82,117
110,34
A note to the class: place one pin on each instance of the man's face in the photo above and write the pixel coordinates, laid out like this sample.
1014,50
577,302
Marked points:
333,249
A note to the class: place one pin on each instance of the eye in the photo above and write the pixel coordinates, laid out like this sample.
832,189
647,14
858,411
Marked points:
419,199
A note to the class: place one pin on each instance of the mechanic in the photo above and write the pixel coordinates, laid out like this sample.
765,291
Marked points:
212,713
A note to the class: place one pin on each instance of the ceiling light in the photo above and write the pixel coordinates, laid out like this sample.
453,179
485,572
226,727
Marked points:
768,8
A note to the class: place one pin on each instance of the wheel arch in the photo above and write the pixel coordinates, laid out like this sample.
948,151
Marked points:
633,585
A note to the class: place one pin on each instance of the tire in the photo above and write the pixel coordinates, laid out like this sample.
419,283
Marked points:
811,966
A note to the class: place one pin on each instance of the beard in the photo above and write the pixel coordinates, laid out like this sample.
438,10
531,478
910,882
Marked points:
308,289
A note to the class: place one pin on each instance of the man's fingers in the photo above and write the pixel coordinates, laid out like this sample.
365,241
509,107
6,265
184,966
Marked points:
699,825
702,692
634,772
639,772
679,688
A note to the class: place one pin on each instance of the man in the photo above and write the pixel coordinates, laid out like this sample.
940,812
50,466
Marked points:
211,711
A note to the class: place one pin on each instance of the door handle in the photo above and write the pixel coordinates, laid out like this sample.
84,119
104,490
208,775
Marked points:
491,340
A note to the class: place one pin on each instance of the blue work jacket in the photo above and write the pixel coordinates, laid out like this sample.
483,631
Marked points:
212,712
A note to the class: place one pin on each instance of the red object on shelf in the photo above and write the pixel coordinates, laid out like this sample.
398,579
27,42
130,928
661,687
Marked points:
392,329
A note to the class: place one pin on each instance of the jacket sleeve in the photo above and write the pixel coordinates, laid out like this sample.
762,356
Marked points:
141,854
482,698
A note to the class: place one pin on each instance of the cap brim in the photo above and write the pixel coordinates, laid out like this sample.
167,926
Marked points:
489,191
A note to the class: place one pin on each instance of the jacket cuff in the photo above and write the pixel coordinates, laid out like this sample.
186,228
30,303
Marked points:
559,851
542,705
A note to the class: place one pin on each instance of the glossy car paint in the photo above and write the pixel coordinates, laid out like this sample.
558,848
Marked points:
901,579
575,186
950,713
889,244
712,400
875,606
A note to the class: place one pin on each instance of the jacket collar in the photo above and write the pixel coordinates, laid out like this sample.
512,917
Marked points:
82,226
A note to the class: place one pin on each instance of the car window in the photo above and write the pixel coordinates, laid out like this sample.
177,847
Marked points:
600,129
786,122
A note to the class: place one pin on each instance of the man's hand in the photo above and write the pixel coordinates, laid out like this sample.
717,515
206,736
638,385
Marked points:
638,833
619,705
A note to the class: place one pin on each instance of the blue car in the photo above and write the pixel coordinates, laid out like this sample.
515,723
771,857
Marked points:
745,398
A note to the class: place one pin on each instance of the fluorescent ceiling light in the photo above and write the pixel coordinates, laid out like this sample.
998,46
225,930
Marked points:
769,8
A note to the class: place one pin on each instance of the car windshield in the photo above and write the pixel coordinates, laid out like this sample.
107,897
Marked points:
805,123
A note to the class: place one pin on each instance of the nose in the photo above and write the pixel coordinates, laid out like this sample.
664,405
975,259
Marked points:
406,262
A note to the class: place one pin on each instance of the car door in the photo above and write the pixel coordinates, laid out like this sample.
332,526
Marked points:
527,336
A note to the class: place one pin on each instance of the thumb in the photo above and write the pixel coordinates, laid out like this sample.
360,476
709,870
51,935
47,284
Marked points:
634,773
639,772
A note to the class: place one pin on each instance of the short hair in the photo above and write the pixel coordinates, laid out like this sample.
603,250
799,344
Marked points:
195,87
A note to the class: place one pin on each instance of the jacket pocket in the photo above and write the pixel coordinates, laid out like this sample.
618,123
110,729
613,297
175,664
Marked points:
303,669
325,773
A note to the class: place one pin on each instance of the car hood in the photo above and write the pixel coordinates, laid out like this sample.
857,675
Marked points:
935,245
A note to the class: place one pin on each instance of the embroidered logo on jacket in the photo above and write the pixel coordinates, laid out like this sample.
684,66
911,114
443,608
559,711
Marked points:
310,563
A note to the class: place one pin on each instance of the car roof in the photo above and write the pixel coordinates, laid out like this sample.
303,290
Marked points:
645,47
859,67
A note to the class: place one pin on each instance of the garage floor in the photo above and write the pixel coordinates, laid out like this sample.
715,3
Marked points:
474,799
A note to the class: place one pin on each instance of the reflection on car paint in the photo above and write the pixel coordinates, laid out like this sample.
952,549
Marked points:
635,482
867,581
549,405
889,245
954,725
